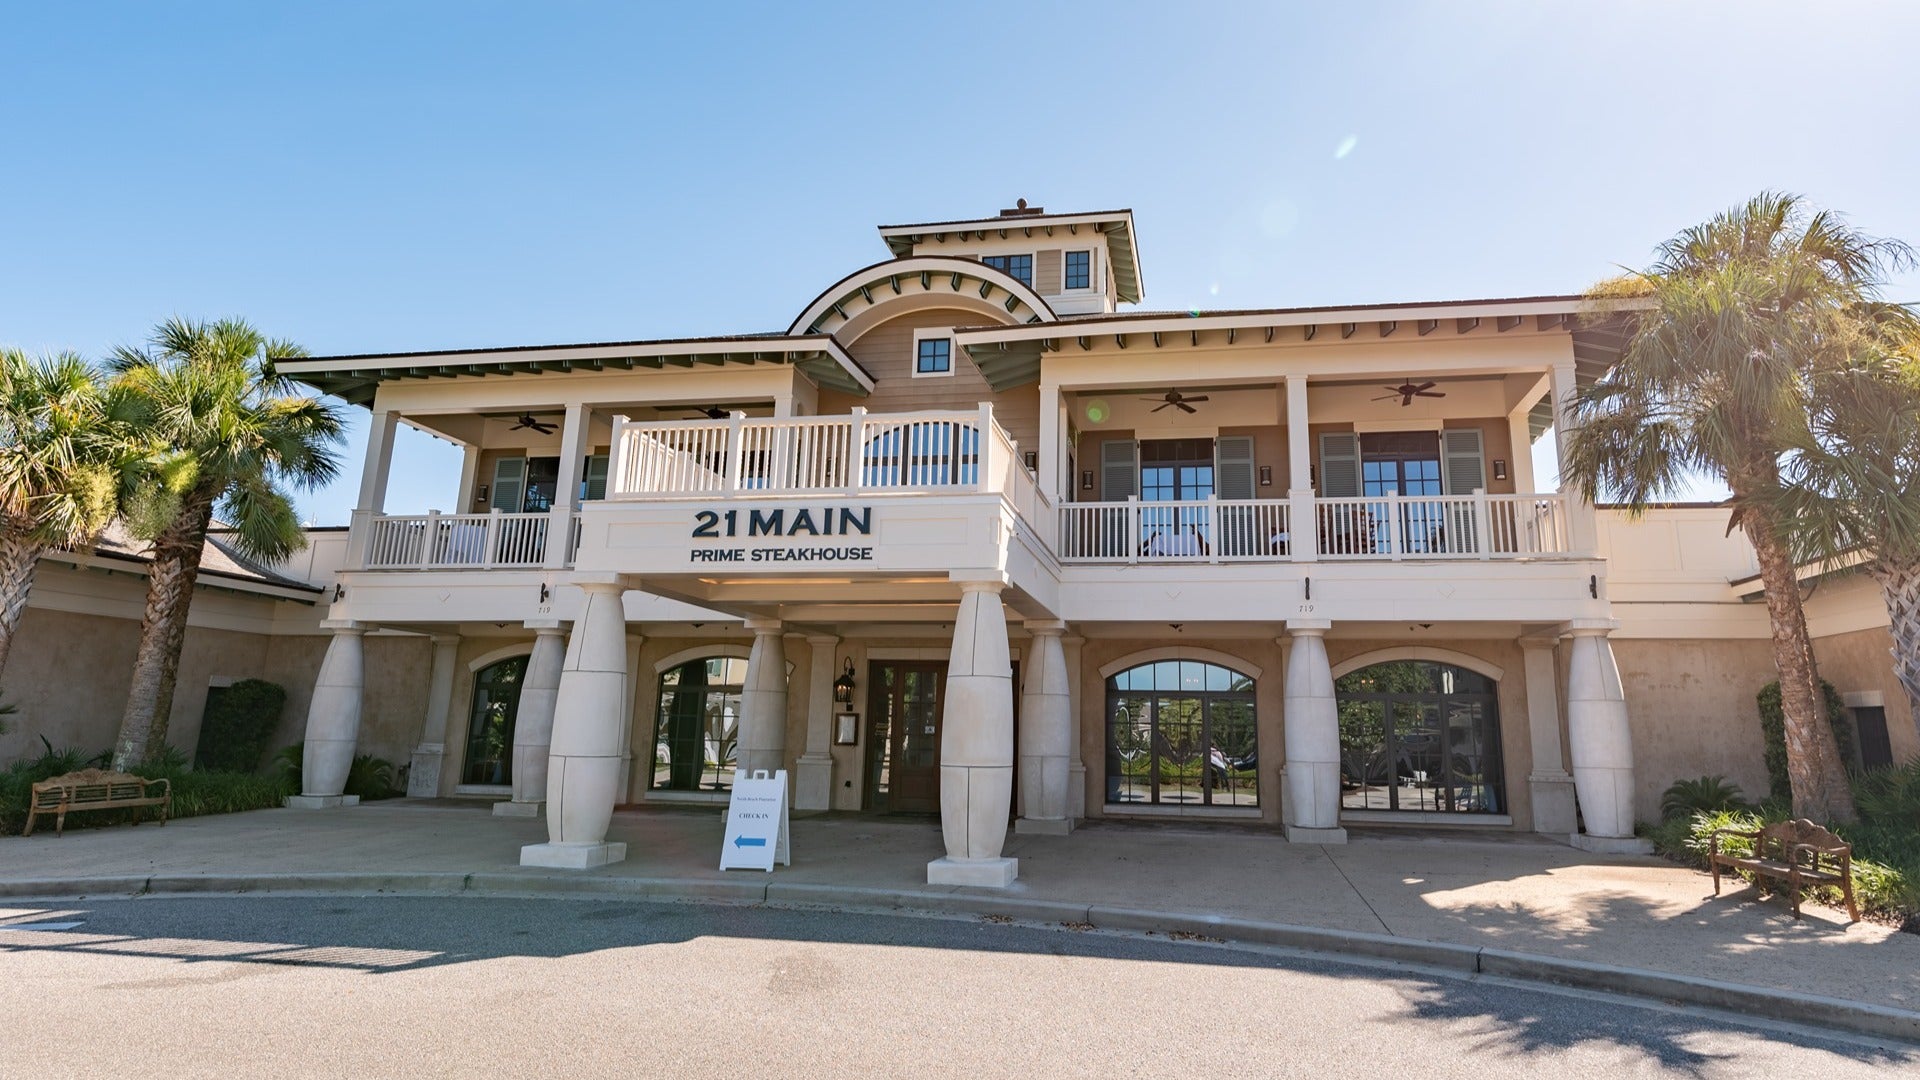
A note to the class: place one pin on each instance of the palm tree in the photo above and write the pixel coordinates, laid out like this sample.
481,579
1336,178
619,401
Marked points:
59,462
211,395
1856,489
1730,326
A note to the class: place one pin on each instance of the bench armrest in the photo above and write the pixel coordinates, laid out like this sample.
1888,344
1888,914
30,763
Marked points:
1843,853
165,785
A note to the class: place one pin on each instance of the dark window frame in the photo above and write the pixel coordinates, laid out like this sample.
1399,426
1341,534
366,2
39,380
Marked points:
1019,267
920,357
1068,272
1227,779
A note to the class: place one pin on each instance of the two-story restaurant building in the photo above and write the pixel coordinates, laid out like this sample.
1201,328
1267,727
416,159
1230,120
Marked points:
966,537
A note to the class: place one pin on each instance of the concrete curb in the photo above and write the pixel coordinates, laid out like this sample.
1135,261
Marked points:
1753,1001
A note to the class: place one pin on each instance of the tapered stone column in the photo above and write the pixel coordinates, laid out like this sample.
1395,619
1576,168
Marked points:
533,723
583,769
763,701
1046,734
1311,808
1077,770
423,775
976,745
333,721
813,773
1548,783
1601,744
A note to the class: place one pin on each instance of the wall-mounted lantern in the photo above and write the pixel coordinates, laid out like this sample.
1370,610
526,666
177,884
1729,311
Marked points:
843,686
1266,476
1499,468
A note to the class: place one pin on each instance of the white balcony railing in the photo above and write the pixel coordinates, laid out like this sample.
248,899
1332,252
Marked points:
458,541
1216,530
1389,527
808,455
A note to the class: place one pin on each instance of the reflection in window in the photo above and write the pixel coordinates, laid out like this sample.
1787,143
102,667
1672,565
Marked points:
496,701
699,720
1419,735
1182,733
1018,267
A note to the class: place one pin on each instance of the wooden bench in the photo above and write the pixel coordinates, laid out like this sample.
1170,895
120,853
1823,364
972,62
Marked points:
1799,853
95,789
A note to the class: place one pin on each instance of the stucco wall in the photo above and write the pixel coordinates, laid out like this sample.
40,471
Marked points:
1692,710
1861,661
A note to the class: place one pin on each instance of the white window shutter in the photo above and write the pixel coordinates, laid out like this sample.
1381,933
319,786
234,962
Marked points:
1339,465
1463,460
1233,466
1119,470
509,484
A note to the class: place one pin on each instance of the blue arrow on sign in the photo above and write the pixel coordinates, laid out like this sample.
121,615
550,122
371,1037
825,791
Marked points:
749,841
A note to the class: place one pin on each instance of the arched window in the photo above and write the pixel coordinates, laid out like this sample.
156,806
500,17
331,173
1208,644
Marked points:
698,724
1420,735
496,702
1182,733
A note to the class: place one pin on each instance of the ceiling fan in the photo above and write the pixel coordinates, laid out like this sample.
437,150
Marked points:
1174,399
710,412
526,420
1409,390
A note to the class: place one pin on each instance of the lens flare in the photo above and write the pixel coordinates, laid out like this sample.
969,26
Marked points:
1346,147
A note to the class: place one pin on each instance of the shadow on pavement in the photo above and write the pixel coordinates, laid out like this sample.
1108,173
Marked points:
388,935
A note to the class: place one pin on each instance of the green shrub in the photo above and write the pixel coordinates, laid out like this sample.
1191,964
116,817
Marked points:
194,793
1773,730
239,721
368,777
1686,797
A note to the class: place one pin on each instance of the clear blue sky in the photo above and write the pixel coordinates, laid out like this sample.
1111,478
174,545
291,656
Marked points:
368,177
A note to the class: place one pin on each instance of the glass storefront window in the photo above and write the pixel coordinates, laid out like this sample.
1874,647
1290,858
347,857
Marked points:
1422,736
698,725
1182,733
496,702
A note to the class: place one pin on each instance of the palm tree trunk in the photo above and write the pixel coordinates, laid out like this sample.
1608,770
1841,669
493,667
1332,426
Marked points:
1900,585
163,628
1819,781
18,559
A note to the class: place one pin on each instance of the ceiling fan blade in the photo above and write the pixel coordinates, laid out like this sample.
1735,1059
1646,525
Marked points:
1388,397
1168,405
1202,397
1406,401
1428,385
1430,393
1184,407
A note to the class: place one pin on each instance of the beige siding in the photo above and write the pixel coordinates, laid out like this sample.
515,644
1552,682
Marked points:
1861,661
1046,272
886,352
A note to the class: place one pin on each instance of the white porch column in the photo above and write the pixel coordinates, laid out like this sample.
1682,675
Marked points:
1583,531
813,773
374,471
1601,743
1311,807
1052,461
1303,543
469,480
533,722
976,744
566,489
423,775
1549,784
763,701
1077,771
583,770
333,720
1046,734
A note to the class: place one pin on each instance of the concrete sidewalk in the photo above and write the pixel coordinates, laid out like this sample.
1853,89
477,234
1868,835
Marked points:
1519,894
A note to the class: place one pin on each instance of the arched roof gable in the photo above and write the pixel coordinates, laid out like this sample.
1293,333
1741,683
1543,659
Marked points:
873,285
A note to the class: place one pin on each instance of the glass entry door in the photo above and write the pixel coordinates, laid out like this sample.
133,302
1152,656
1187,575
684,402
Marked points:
903,767
1175,471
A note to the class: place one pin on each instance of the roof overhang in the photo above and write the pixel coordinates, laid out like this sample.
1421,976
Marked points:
355,378
1122,250
1010,355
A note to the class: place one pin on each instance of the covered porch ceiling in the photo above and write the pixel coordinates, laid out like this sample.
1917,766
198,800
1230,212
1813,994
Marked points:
357,378
1013,356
